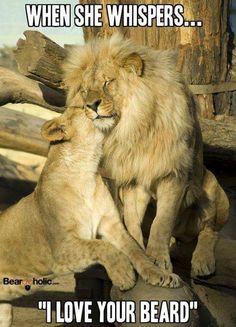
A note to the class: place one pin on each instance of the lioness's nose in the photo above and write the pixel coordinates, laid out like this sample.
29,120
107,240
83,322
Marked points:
94,106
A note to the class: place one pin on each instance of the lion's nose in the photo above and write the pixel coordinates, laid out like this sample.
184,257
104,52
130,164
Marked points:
94,106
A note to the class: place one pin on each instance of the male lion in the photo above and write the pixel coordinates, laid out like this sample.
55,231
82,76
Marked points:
153,145
55,229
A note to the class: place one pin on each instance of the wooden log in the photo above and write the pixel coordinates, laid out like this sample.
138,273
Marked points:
16,180
39,58
35,64
211,89
20,131
16,88
12,170
219,138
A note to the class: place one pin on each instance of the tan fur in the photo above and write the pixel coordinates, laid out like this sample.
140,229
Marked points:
153,145
53,230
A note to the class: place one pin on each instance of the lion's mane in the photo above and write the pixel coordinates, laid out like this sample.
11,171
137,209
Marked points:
157,131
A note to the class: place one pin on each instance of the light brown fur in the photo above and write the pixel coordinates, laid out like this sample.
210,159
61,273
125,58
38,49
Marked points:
53,231
153,145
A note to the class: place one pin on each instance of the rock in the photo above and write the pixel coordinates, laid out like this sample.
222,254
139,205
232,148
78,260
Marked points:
146,292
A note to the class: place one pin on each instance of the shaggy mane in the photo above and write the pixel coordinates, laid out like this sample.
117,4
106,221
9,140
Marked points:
155,135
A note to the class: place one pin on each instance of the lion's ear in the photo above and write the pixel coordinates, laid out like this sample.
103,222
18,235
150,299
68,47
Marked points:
55,130
134,63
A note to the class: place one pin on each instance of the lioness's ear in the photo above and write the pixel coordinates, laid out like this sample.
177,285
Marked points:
55,130
134,62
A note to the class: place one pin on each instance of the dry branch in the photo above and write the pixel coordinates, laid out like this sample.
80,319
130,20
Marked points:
16,180
16,88
219,138
12,170
39,58
211,88
20,131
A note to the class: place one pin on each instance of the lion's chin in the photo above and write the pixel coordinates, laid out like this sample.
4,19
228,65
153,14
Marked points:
104,124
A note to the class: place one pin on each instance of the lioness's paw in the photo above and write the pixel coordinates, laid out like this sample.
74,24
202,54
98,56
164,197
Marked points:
123,275
156,276
203,263
160,258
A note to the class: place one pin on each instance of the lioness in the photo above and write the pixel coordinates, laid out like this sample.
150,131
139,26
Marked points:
153,145
53,230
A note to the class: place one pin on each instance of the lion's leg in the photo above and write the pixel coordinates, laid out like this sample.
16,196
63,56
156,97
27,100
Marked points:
114,231
135,201
6,314
77,255
170,194
214,206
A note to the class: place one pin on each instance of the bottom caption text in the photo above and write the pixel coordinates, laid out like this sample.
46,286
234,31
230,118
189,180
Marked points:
118,311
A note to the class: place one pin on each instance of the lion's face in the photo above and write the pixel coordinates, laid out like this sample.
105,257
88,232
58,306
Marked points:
100,80
101,100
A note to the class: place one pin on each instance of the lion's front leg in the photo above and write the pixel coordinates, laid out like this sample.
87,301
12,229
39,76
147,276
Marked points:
114,231
135,201
170,194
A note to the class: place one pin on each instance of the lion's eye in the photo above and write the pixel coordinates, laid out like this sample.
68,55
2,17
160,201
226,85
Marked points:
108,82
